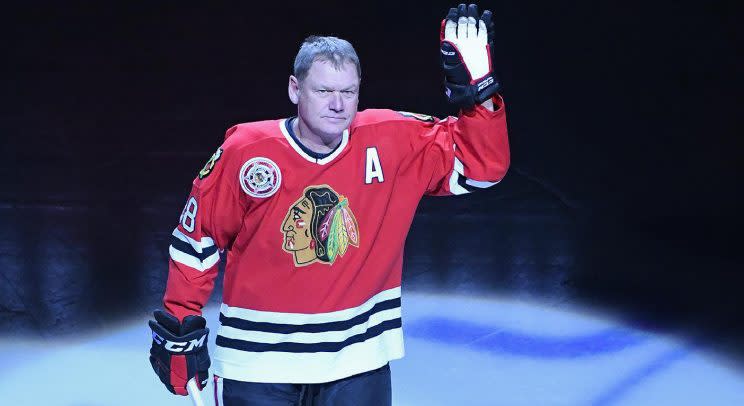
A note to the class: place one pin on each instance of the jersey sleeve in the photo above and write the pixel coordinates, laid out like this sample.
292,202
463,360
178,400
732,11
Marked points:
464,154
208,224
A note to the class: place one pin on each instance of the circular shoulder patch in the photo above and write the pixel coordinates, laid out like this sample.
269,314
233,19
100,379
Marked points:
260,177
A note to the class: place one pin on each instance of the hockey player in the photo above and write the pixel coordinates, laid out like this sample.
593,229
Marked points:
312,212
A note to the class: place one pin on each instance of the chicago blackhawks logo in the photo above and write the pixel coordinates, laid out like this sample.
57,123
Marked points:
260,177
319,227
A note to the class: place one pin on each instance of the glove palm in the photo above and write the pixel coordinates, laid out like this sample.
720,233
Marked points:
466,44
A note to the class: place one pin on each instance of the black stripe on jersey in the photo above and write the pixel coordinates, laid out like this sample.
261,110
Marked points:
186,248
461,181
309,347
308,328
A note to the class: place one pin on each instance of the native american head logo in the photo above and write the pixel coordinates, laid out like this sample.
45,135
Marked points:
319,227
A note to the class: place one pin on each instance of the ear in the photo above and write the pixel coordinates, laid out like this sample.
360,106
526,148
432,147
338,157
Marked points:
294,89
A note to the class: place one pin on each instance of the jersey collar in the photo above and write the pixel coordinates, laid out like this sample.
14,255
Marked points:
320,161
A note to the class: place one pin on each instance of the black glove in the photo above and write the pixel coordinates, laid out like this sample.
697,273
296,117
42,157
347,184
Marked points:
179,351
466,44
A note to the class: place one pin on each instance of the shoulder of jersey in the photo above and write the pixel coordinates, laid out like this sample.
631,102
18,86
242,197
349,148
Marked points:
252,133
379,116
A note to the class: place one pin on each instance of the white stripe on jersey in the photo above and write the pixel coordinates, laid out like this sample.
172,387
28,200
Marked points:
192,261
318,367
198,246
315,318
459,171
310,338
317,347
459,167
479,184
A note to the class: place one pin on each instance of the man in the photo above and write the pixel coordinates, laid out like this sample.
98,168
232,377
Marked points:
313,212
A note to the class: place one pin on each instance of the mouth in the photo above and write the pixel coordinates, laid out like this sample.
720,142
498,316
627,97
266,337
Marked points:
290,242
336,119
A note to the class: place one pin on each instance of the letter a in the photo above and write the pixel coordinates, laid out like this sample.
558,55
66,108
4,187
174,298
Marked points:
374,169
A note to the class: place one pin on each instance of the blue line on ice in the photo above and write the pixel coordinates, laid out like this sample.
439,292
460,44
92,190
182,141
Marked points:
497,339
618,391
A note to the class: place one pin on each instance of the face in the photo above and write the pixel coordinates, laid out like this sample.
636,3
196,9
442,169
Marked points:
296,226
326,99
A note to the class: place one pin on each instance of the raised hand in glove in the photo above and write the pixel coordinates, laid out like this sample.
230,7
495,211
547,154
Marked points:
179,351
466,43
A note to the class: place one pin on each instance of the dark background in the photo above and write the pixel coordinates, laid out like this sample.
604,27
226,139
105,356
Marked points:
624,124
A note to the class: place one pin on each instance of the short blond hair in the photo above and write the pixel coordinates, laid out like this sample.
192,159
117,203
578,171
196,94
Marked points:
332,49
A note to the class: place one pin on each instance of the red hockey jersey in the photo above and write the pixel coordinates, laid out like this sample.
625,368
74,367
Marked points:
315,245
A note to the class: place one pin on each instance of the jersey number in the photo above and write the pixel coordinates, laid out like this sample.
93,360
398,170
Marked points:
188,217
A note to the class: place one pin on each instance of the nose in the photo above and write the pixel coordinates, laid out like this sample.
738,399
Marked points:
287,226
337,102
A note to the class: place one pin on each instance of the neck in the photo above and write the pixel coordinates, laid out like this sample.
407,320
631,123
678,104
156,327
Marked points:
314,142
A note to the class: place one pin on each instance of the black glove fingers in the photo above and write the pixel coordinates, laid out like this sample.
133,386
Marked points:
487,17
452,15
473,11
167,320
192,323
462,20
462,10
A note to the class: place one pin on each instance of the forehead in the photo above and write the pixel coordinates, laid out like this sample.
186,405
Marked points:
303,202
324,73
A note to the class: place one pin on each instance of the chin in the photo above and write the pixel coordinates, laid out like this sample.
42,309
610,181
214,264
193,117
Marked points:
336,129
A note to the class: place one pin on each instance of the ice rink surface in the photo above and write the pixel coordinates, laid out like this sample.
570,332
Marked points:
460,350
